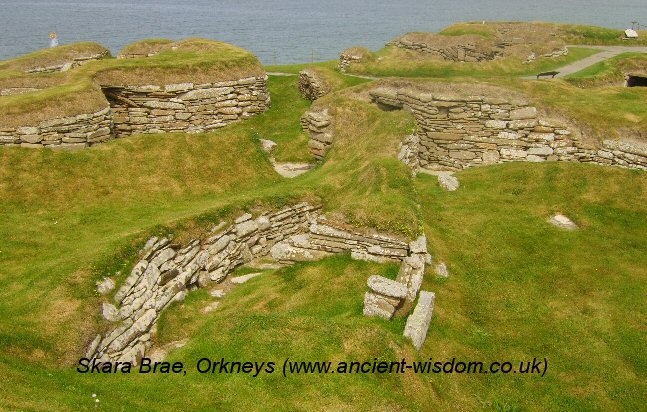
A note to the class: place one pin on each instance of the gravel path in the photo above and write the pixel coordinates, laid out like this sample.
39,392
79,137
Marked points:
606,52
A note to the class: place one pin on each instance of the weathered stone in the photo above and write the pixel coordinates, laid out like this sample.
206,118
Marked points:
110,312
441,270
419,245
523,113
244,278
418,322
377,306
562,222
163,256
105,286
387,287
245,228
448,182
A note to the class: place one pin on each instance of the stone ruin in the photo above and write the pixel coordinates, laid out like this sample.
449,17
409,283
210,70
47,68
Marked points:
352,55
463,125
466,125
167,271
312,85
526,41
185,107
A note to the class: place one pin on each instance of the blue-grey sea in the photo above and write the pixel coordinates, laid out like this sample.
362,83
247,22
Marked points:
280,31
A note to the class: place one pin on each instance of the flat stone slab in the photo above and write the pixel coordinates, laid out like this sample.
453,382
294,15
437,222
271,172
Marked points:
562,222
210,307
267,145
291,170
448,181
387,287
441,270
378,306
418,323
218,293
244,278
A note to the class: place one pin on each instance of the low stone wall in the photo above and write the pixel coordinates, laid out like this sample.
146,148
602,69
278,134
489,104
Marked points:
148,109
311,85
167,271
318,124
186,107
70,132
457,49
75,62
352,55
456,130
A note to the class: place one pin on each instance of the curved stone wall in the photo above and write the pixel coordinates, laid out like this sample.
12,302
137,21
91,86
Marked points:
167,271
456,130
185,107
78,131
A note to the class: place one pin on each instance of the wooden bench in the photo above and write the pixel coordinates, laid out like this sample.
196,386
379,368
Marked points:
546,74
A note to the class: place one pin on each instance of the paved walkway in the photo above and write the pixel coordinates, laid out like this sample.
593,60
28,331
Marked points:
606,52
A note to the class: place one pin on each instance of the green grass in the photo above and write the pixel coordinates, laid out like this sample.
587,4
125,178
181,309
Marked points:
519,288
77,91
611,71
396,62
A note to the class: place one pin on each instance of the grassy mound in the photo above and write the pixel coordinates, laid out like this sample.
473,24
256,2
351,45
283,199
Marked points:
78,91
53,56
144,48
611,72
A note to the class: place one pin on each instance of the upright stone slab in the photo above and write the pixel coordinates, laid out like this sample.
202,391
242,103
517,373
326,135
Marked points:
418,323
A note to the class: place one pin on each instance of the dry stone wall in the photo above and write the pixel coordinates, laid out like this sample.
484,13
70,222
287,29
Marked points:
456,131
186,107
69,132
350,56
183,107
458,49
318,124
167,271
311,85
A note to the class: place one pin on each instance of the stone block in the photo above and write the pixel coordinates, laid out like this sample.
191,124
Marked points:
523,113
418,322
387,287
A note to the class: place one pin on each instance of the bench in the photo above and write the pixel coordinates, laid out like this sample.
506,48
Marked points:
546,74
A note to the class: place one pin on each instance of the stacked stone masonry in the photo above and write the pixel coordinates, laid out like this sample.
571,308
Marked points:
460,51
186,107
71,132
167,271
311,85
346,59
183,107
456,132
75,62
318,124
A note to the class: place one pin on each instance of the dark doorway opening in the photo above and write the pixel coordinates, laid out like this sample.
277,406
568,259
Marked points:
636,81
